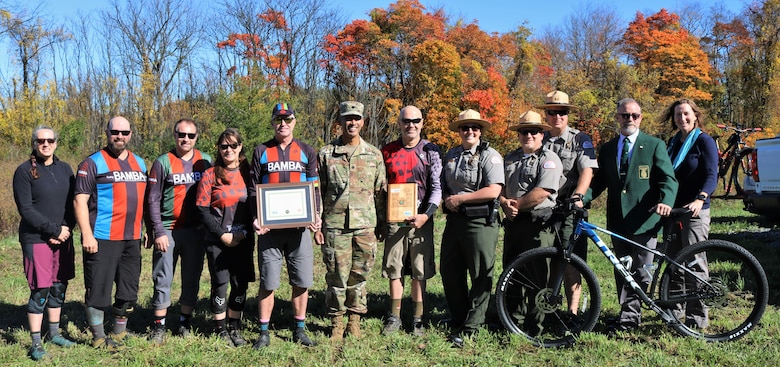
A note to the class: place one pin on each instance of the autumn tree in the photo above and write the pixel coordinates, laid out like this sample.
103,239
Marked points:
152,41
658,44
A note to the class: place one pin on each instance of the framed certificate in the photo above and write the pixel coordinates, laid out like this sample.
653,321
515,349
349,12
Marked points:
401,201
285,205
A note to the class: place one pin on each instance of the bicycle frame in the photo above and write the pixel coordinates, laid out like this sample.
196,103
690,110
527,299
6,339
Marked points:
589,229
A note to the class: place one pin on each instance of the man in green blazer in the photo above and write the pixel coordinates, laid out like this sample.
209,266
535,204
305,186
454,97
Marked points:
638,195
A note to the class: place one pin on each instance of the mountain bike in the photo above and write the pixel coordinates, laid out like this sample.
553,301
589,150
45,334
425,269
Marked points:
736,157
719,276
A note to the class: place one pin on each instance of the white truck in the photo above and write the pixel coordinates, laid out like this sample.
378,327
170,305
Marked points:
762,187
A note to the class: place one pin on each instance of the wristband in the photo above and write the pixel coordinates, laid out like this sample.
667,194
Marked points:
430,210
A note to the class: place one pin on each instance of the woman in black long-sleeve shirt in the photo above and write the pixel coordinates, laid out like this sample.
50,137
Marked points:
43,192
694,157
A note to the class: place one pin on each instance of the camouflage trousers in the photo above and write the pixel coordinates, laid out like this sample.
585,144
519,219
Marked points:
349,255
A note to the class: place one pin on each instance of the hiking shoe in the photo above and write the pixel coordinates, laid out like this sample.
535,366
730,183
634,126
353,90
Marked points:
263,341
61,341
300,337
226,338
237,339
353,325
185,332
123,336
107,343
418,329
392,324
157,335
37,352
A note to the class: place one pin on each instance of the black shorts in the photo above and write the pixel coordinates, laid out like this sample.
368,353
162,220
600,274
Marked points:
115,262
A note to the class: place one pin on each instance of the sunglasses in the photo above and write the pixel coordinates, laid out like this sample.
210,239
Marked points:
42,141
411,121
233,146
188,135
557,112
466,128
287,120
120,132
529,131
626,116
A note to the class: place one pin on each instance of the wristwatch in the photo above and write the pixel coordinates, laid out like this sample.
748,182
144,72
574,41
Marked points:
701,197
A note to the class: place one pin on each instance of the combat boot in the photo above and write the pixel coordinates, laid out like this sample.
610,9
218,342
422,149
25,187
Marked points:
337,333
353,326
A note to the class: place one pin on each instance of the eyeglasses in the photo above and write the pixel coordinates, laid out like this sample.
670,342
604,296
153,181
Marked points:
411,121
351,118
557,112
288,119
626,116
466,128
529,131
233,146
120,132
188,135
42,141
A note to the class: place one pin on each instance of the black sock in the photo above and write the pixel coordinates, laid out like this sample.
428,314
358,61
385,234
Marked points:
220,325
184,319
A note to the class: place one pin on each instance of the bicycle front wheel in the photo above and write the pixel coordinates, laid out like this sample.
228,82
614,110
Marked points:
532,305
722,299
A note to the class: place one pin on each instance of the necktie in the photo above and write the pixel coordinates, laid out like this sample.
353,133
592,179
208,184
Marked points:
624,160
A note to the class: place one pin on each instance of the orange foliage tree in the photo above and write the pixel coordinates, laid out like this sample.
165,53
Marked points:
659,44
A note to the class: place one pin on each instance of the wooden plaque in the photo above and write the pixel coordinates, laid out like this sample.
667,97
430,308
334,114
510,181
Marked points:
401,201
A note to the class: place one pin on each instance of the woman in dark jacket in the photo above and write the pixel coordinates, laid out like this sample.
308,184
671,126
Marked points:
43,192
694,156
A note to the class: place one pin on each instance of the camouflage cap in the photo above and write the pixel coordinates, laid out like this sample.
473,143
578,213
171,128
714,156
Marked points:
351,108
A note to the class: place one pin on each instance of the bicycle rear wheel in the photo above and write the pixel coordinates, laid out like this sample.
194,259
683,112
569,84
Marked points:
528,305
725,301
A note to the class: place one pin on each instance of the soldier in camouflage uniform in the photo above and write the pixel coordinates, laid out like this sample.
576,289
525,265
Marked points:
352,176
471,182
575,149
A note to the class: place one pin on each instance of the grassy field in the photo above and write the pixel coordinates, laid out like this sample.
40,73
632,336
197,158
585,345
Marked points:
653,344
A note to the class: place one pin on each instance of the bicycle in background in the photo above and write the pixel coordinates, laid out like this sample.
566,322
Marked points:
718,276
735,158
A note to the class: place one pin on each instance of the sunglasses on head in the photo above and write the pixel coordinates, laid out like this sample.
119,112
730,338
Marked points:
466,128
188,135
529,131
42,141
288,119
557,112
120,132
411,121
626,116
231,146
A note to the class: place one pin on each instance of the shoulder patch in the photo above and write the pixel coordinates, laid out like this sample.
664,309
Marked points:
549,165
587,144
496,159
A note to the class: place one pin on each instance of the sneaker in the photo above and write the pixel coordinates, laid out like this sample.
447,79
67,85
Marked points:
107,343
263,341
157,335
185,332
226,338
392,324
418,329
61,341
237,339
37,352
300,337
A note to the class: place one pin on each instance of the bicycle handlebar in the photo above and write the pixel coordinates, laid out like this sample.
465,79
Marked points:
739,130
568,206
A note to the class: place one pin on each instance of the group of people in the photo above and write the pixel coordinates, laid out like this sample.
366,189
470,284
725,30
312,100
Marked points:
194,206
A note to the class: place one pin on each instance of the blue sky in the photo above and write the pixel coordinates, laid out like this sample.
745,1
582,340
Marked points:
492,15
